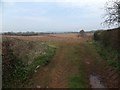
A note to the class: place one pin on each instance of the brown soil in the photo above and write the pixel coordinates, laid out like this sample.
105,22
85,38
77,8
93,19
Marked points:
57,73
50,38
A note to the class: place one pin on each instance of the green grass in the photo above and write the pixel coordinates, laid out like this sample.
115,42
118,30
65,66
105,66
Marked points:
77,80
41,60
108,54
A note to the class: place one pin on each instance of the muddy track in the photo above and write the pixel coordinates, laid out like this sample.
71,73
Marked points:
57,73
93,64
99,73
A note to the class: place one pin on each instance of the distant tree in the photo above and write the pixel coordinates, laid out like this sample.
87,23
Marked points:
112,15
82,33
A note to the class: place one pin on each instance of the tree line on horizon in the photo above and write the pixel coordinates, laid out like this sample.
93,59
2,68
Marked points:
33,33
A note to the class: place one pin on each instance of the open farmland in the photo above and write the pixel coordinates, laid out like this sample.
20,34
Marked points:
50,37
75,62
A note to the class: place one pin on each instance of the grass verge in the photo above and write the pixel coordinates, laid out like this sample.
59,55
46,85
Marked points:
21,73
108,54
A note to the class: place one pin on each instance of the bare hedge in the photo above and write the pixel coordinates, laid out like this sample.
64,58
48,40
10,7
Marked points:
109,38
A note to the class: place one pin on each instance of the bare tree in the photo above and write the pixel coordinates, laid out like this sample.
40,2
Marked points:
112,16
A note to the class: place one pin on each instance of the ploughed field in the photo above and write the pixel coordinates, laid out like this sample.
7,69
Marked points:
50,37
56,61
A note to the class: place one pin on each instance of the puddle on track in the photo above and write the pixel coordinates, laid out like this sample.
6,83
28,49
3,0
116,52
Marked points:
95,81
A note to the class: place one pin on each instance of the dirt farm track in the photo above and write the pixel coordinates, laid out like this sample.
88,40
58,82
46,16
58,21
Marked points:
73,51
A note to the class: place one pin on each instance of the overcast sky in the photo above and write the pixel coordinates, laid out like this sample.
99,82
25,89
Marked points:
51,15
